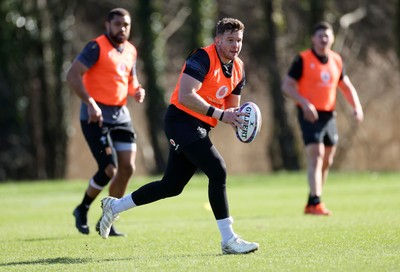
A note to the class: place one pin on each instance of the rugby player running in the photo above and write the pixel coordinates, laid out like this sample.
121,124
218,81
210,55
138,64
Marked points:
208,91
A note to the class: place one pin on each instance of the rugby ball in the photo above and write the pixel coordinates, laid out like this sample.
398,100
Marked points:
252,124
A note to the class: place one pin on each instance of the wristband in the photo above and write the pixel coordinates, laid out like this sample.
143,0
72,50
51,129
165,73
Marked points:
222,115
210,111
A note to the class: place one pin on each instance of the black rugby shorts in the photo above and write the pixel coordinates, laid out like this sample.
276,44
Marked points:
183,129
324,130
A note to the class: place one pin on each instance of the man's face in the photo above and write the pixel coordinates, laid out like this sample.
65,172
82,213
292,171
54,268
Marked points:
119,28
323,39
229,45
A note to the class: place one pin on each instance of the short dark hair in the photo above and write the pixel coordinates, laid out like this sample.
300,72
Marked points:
228,24
321,25
118,12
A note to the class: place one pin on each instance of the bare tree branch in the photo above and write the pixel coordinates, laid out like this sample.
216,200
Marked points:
175,24
345,22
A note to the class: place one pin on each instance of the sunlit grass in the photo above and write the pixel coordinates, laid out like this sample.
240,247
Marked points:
37,230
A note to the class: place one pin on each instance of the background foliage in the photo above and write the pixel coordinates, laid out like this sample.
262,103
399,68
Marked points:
39,133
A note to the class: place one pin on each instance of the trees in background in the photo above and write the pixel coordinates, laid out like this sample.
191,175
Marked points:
33,99
152,50
36,42
283,143
397,28
155,31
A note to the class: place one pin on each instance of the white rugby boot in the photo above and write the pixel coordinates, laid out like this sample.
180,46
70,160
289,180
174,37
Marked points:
237,245
108,217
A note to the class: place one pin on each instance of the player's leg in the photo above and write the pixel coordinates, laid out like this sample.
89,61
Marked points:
313,138
178,172
126,167
315,158
120,181
328,161
100,149
206,157
330,138
124,143
331,141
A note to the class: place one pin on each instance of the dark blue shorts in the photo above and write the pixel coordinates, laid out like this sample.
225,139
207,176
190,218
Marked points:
102,140
324,130
182,129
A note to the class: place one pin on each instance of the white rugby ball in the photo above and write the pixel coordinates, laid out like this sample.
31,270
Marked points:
252,124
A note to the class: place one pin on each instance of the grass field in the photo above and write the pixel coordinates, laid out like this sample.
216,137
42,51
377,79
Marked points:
37,231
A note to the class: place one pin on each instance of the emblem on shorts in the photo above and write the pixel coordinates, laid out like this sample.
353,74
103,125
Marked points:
172,142
202,132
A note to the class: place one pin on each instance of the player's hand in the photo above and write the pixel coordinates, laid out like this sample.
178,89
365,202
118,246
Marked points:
140,94
232,116
358,114
94,112
310,112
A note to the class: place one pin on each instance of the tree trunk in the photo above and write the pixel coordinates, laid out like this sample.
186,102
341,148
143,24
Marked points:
317,11
201,23
152,52
50,143
284,154
37,135
397,28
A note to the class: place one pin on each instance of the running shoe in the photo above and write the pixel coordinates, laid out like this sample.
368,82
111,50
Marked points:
81,220
237,245
108,217
318,209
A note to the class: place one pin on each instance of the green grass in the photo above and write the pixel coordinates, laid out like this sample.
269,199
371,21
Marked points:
37,230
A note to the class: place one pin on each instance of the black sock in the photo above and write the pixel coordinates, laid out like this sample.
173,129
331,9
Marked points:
86,202
313,200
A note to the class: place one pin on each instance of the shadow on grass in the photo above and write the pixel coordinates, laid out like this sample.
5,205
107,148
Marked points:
68,260
39,239
61,260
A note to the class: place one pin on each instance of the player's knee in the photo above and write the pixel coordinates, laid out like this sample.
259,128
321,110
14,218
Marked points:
173,191
130,168
328,163
110,170
100,179
126,169
218,175
170,191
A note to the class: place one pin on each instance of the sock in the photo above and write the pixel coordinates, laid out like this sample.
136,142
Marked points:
123,204
86,202
313,200
225,228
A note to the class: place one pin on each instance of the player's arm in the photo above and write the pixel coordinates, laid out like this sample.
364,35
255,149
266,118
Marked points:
232,104
350,93
290,89
188,96
232,101
134,87
74,78
196,68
